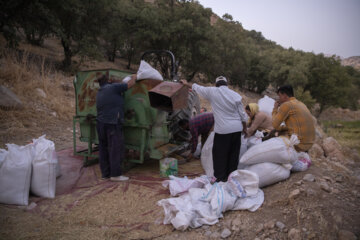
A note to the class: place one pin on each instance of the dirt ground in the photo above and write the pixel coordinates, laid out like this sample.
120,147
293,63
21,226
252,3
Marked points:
87,208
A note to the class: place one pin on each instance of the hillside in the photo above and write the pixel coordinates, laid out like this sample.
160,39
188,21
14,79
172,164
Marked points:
352,61
321,203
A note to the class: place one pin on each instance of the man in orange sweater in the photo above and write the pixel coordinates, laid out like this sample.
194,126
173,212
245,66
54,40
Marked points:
297,117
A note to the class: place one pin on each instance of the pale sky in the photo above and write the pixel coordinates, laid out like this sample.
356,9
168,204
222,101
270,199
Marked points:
319,26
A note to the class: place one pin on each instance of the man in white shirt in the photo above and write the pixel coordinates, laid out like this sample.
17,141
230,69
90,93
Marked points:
230,121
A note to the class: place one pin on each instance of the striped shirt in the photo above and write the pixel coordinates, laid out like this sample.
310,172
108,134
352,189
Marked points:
198,125
298,120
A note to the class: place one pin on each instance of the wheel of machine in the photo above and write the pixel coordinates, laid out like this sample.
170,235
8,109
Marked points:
192,109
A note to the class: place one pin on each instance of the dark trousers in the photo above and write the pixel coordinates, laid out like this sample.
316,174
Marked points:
225,152
111,148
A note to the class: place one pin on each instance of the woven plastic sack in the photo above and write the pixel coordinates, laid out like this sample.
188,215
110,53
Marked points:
270,173
145,71
206,156
43,179
266,104
302,163
275,150
15,175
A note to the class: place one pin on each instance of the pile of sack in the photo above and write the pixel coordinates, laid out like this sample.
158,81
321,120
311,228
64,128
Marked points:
30,168
271,160
201,202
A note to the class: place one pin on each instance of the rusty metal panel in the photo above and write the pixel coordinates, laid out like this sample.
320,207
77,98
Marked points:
169,96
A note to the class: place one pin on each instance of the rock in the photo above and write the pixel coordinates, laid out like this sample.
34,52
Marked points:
335,191
294,194
355,155
54,114
270,224
235,225
294,234
332,148
298,183
31,206
225,233
346,235
324,186
207,233
40,92
8,99
339,178
309,177
260,228
337,217
280,225
316,151
215,235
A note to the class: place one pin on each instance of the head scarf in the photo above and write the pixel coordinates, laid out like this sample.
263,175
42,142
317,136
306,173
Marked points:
254,109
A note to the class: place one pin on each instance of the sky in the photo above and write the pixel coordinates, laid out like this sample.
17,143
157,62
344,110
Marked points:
318,26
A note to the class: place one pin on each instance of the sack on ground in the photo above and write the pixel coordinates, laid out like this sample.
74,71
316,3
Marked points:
178,185
243,149
275,150
302,163
206,156
43,179
15,175
270,173
243,183
147,72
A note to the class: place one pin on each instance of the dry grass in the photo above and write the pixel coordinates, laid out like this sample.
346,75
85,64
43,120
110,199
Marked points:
24,76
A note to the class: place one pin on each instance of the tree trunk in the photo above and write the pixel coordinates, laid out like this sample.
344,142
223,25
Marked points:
67,52
130,56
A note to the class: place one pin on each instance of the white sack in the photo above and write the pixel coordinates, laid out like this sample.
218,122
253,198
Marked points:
15,175
254,139
276,150
243,183
243,149
197,152
3,154
145,71
302,163
266,104
178,186
43,179
205,205
206,155
126,79
270,173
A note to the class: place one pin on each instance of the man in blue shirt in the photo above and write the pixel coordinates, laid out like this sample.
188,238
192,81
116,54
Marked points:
110,118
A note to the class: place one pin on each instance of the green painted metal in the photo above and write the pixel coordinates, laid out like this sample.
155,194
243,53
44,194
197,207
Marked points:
145,128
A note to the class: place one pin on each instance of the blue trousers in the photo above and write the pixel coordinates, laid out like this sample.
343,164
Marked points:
111,148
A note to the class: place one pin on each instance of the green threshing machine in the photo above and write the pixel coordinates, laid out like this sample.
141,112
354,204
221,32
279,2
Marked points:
151,112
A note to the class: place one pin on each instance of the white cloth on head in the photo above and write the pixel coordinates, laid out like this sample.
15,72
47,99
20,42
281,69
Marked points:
227,107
